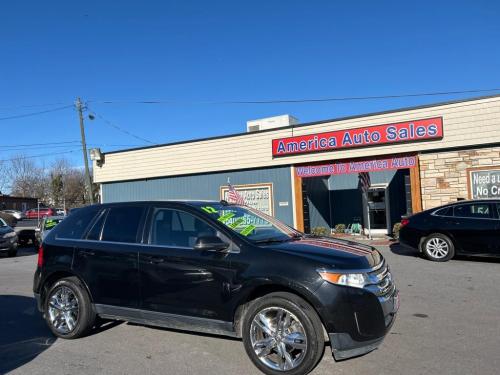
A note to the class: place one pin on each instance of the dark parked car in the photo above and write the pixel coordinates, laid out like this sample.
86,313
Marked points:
8,239
217,268
465,227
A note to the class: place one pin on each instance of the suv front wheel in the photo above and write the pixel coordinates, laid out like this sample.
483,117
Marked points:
68,310
283,334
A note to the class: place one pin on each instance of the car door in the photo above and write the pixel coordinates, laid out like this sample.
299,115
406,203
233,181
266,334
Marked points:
107,258
178,279
474,228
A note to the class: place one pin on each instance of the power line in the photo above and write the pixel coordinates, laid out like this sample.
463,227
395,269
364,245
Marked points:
308,100
40,155
40,144
32,105
62,145
121,129
35,113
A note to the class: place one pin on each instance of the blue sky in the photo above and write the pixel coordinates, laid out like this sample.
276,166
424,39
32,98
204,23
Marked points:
198,51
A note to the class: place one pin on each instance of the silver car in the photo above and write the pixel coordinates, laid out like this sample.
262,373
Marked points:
17,214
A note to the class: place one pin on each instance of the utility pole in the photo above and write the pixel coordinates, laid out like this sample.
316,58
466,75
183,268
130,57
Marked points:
79,107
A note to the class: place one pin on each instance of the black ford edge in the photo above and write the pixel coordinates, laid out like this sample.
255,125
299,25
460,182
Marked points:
218,268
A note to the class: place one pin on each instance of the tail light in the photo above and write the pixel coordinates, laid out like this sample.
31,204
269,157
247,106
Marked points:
404,222
40,261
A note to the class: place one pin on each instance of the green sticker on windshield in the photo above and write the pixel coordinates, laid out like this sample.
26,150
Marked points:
247,230
226,217
50,224
209,210
236,223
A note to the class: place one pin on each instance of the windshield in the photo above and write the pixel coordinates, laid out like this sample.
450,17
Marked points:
51,223
2,223
252,224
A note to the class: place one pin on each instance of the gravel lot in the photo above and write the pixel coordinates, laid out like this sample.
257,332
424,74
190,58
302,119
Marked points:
449,323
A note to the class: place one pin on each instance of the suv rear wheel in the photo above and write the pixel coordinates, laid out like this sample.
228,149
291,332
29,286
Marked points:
283,334
68,310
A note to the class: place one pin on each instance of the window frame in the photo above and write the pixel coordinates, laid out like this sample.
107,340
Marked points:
491,214
148,228
140,228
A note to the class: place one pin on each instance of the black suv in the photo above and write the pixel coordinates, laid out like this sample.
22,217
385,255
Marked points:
218,268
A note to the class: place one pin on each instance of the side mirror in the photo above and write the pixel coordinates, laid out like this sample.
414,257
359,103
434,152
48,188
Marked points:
210,243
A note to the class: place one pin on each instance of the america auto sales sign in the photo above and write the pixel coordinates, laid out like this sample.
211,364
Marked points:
401,132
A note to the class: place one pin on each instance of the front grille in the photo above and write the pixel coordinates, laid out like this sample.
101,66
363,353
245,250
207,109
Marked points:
380,282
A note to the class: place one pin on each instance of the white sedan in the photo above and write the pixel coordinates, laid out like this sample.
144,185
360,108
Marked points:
17,214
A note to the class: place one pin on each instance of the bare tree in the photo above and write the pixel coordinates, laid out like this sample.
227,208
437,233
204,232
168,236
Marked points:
59,185
28,180
4,178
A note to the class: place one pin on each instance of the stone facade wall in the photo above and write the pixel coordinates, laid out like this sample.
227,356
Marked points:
443,175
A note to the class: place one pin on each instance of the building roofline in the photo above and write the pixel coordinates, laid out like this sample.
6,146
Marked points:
402,109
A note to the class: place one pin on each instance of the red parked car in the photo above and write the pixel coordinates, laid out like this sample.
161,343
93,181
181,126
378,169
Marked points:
36,213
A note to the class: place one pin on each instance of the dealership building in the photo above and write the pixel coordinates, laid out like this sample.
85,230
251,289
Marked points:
307,174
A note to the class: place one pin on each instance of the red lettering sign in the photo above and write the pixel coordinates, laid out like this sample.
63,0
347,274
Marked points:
374,165
401,132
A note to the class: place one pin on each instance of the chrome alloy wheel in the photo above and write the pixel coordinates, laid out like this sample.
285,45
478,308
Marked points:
278,338
437,247
63,310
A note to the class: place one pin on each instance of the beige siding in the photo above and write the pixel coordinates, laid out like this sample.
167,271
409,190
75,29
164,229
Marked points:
466,123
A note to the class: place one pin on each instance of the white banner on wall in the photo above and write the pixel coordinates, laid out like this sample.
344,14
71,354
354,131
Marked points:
484,182
257,196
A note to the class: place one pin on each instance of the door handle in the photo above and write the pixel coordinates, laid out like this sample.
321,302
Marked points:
87,253
154,260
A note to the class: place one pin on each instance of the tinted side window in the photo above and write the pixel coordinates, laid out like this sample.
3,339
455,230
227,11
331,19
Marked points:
95,232
122,224
476,210
447,211
74,225
177,228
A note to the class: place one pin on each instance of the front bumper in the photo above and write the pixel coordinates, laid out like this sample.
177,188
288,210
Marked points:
358,319
8,245
344,346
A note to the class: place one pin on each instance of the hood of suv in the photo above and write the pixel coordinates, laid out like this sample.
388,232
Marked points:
5,230
336,253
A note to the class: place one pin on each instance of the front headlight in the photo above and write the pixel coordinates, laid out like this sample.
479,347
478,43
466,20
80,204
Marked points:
356,280
9,235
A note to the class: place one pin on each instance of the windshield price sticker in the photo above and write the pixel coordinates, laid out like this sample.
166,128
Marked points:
209,210
247,230
226,217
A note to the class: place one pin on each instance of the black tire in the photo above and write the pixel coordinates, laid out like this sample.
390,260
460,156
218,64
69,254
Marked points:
447,247
85,312
12,253
305,313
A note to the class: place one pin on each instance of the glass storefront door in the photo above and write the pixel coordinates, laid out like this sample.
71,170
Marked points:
379,207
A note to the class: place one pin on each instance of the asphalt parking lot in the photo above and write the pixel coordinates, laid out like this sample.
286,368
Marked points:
449,323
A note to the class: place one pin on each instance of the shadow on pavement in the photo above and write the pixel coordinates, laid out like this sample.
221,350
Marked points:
398,249
23,332
21,252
